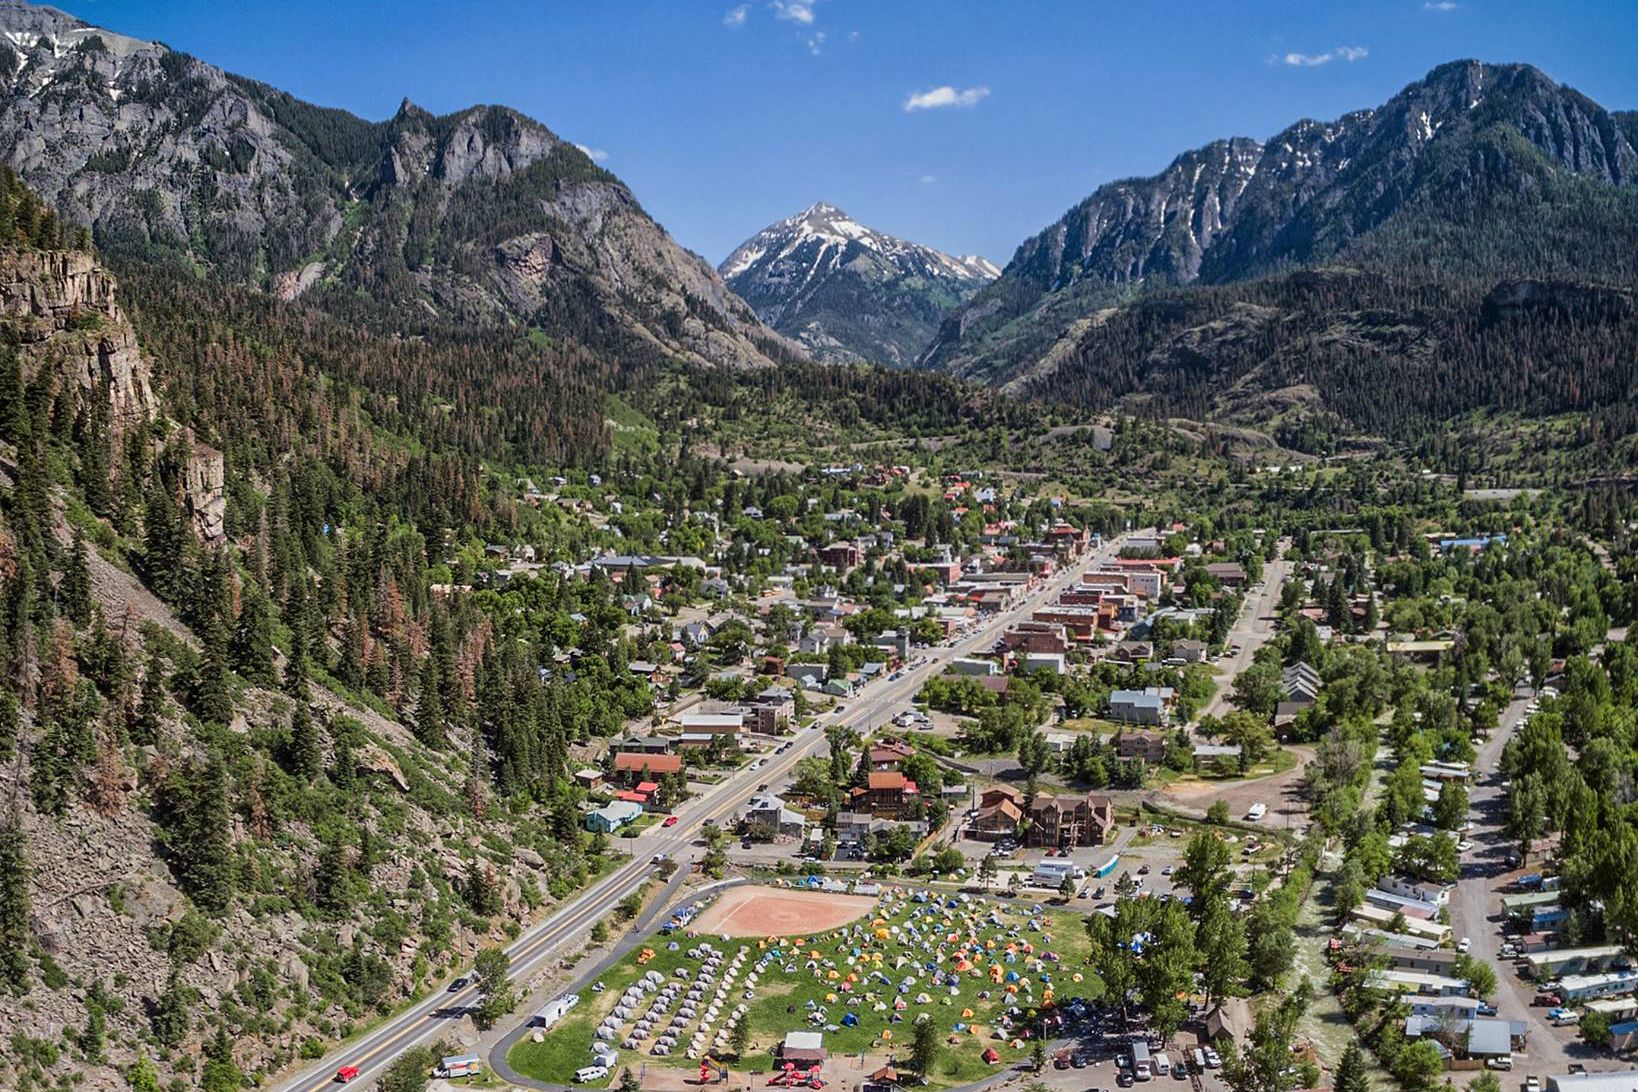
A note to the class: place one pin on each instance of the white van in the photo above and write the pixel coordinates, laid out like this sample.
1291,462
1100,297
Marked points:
1199,1061
591,1073
1163,1064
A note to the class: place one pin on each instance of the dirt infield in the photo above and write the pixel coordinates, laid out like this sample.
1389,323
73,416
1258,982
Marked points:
779,912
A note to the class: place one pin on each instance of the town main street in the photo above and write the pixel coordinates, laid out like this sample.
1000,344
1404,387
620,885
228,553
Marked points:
540,943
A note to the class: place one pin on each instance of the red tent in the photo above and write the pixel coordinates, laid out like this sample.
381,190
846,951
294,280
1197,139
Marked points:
991,1056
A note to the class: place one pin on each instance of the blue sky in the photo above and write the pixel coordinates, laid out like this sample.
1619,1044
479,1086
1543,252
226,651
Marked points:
724,116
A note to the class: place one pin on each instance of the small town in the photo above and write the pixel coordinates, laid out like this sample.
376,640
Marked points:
927,546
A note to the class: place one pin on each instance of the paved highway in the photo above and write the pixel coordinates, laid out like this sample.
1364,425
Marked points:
538,944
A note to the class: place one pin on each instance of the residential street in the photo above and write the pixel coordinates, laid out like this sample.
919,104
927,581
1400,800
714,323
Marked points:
1476,900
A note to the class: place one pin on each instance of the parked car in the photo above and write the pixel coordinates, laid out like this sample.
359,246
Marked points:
1464,944
1504,1063
1213,1059
1532,1083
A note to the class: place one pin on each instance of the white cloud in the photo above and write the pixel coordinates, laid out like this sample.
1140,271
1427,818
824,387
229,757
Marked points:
794,11
945,96
736,16
1440,5
816,42
597,155
1314,60
928,179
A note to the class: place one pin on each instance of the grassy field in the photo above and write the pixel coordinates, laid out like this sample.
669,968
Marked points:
782,1001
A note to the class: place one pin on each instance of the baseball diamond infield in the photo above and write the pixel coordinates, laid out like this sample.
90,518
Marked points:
766,911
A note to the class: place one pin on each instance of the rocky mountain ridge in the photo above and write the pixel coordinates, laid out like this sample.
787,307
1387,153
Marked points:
847,292
481,216
1478,137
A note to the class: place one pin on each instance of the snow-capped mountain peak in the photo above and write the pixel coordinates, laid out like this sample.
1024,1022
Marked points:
798,272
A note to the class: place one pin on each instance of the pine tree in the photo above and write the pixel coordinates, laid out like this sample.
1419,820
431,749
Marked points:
163,545
10,722
201,848
74,589
172,1015
251,650
1351,1071
295,617
431,727
16,939
92,442
213,695
332,881
148,720
306,757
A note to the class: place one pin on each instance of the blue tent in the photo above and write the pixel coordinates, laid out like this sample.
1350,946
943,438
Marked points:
851,1020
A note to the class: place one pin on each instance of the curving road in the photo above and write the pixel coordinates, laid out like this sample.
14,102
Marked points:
538,944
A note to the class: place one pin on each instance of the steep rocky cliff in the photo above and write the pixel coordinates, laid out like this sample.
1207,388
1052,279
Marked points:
419,221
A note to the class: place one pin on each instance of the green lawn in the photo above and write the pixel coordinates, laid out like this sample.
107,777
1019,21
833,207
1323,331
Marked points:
781,1001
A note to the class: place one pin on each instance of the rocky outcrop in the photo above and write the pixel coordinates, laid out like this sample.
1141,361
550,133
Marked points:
61,305
204,491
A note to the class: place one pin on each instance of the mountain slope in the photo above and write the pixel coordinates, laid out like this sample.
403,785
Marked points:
847,292
1486,147
420,222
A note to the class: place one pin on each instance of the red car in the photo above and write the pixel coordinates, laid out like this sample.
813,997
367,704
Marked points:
346,1073
670,821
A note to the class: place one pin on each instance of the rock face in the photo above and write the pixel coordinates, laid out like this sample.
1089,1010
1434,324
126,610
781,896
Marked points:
847,292
1465,156
416,219
61,305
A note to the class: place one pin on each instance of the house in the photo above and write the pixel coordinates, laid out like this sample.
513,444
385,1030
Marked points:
841,555
1137,707
896,642
1189,651
1210,756
1300,683
588,778
632,767
1624,1080
996,821
977,668
889,754
1065,821
854,828
886,793
769,816
771,712
1230,574
1430,961
611,817
1059,743
1050,662
1150,746
1133,651
726,722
